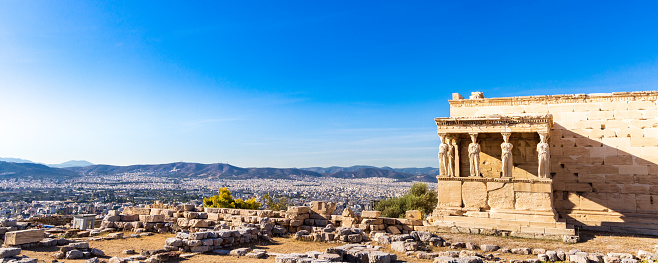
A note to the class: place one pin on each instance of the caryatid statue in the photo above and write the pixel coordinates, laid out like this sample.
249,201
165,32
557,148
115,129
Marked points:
451,158
543,151
506,147
443,156
474,155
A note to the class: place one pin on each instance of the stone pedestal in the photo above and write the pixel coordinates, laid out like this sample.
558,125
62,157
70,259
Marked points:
518,207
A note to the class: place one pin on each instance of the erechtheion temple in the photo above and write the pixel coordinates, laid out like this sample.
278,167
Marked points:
543,166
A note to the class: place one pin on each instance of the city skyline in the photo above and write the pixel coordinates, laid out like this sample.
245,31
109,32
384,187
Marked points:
295,84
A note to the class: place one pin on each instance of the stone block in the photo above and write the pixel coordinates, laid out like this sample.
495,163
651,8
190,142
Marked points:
129,218
23,237
393,230
215,216
532,187
325,208
533,201
413,214
371,214
141,211
9,252
622,202
474,195
500,195
594,201
299,209
634,169
646,203
449,193
151,218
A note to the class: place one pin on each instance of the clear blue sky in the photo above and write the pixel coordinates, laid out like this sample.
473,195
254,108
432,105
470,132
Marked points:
292,83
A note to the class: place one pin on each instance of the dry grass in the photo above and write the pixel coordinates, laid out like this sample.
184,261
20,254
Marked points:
592,242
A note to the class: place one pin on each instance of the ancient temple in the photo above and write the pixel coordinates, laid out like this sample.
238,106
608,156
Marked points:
537,166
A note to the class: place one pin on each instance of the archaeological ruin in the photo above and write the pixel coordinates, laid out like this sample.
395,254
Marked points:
545,166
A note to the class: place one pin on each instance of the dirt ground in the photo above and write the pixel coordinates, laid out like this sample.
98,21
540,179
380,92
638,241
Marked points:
591,242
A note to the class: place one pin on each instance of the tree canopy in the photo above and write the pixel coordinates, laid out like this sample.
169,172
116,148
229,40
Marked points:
225,200
418,198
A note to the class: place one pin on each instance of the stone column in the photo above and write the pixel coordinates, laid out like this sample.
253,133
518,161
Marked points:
455,145
451,157
443,155
506,157
544,155
474,155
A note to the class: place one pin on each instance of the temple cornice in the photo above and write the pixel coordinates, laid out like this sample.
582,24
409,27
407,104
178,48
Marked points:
495,124
556,99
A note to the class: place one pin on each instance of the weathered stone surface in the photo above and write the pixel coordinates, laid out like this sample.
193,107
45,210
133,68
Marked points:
533,201
489,248
97,252
371,214
393,230
500,195
449,194
176,242
74,254
23,237
152,218
552,256
299,209
238,252
398,246
578,259
413,214
9,252
443,259
474,195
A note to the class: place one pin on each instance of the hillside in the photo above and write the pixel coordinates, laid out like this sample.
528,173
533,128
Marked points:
414,171
218,170
74,163
379,172
32,171
215,170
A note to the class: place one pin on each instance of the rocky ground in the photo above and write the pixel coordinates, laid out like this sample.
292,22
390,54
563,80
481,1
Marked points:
592,243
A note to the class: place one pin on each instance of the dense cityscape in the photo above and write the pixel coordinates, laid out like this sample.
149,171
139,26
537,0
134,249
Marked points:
99,194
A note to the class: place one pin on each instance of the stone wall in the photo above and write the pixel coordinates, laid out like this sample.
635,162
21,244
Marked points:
296,218
604,155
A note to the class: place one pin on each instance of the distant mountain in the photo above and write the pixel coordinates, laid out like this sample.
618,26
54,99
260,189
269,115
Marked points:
227,171
15,160
32,171
73,163
426,170
334,169
219,170
380,172
216,170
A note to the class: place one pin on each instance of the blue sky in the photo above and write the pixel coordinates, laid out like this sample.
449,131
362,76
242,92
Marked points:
292,83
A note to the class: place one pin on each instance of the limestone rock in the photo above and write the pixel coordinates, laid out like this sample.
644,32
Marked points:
74,254
9,252
489,248
97,252
23,237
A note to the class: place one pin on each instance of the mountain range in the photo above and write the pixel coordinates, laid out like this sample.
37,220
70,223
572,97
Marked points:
60,165
216,170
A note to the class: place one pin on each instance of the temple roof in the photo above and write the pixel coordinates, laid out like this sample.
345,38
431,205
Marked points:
495,124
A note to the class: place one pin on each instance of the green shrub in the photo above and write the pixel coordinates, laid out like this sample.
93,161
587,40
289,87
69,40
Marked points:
225,200
418,198
275,204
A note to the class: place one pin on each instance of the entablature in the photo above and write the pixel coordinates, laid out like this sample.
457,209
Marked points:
495,124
